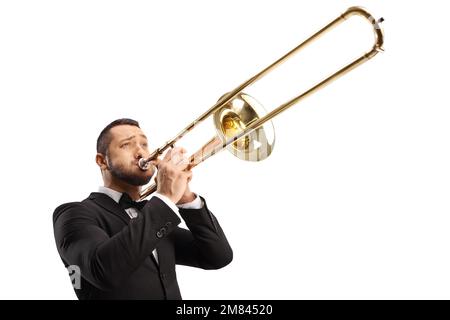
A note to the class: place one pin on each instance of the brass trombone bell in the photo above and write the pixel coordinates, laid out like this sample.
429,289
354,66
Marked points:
234,117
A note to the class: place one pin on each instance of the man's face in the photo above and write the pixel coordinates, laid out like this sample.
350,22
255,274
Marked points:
128,145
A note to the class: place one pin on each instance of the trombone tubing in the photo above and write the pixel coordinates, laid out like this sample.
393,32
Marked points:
229,96
377,47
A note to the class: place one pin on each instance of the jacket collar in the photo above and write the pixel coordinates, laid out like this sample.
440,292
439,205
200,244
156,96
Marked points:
113,194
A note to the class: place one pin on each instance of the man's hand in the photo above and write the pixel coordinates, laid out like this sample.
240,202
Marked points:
172,179
188,195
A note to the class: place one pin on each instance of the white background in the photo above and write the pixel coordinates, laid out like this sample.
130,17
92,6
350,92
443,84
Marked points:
352,204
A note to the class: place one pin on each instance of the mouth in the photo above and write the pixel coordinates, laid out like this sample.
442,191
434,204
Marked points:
148,167
136,164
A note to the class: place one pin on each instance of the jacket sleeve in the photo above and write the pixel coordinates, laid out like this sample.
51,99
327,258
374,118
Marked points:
106,261
204,245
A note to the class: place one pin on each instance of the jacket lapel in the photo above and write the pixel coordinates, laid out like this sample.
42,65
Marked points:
109,204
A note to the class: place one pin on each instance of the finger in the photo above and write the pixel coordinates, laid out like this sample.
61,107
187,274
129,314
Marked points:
180,159
171,153
182,165
179,149
176,157
188,175
155,162
178,153
168,155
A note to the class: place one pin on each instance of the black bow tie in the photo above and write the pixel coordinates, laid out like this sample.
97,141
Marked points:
126,202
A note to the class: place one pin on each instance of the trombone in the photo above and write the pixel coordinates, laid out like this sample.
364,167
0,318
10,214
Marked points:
242,125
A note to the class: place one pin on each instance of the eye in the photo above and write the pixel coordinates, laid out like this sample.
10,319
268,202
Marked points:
126,144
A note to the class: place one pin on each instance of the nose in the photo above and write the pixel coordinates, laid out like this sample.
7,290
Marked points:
140,152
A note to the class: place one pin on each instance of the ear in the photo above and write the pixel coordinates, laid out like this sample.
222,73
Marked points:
101,161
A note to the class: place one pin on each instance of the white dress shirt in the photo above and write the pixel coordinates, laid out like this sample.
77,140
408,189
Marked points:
197,203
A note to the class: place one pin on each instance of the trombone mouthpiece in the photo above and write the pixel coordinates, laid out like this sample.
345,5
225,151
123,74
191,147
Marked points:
143,164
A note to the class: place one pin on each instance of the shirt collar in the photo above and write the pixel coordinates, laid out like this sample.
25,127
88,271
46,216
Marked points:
113,194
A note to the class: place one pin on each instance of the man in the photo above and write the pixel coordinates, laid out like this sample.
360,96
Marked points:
124,249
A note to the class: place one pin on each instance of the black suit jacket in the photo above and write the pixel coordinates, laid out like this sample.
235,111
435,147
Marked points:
114,252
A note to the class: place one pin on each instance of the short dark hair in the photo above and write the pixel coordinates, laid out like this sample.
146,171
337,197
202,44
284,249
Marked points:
104,139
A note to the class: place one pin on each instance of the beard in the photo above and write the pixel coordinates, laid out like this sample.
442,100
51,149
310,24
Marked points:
119,172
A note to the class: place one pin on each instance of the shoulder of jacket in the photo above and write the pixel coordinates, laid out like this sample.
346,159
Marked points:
70,208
